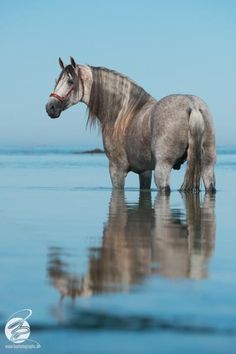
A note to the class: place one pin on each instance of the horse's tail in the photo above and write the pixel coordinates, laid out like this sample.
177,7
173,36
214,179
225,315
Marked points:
194,153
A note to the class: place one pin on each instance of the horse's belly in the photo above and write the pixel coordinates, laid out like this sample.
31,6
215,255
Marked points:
140,160
138,143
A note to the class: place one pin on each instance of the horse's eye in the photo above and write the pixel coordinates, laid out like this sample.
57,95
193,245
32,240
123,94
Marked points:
70,82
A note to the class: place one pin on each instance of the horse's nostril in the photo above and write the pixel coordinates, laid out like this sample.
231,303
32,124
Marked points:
52,108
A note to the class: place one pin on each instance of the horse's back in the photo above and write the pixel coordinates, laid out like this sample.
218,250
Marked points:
172,113
178,106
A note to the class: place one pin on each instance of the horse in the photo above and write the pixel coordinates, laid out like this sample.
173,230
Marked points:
141,134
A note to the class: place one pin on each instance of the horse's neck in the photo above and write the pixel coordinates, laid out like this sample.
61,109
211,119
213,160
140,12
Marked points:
87,78
103,97
114,99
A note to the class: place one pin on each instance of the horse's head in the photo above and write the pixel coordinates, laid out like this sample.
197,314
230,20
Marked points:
69,89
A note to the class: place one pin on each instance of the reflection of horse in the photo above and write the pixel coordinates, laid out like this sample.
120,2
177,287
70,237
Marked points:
139,240
184,246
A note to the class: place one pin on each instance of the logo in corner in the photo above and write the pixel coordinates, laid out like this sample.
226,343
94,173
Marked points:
17,330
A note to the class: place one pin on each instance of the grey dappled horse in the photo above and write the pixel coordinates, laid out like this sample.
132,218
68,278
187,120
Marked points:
141,134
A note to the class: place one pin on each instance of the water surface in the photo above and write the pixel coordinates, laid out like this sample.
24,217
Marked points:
112,272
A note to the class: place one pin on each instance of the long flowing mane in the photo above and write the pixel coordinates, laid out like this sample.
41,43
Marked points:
114,98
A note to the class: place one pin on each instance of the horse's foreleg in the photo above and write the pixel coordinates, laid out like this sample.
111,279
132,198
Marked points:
117,176
162,176
145,179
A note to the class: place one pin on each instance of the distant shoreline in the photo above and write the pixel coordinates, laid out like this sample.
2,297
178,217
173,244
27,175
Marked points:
85,150
12,150
93,151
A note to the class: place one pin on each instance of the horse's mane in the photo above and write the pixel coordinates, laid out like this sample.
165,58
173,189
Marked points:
114,98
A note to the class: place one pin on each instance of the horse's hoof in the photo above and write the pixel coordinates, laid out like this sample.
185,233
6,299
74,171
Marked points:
165,190
211,189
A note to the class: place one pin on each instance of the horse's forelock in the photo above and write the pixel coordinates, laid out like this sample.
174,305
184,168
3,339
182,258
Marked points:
67,70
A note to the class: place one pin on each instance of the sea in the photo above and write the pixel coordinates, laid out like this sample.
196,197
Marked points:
95,271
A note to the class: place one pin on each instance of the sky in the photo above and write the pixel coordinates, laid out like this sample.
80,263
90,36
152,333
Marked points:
166,46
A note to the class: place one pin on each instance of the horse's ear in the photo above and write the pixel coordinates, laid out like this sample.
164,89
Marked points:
61,63
73,63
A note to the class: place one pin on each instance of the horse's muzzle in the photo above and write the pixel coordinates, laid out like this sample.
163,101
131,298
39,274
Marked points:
54,108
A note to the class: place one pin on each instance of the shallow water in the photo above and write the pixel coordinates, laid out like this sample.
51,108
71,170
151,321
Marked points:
107,272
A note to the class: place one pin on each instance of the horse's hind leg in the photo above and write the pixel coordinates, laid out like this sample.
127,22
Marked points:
207,165
145,179
162,176
117,176
208,174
